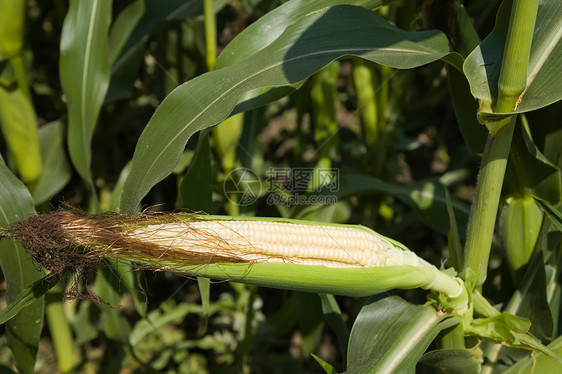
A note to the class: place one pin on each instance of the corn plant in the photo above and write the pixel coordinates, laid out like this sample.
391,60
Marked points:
490,293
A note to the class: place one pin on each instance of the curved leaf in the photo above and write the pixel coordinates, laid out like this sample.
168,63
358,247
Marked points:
303,49
84,70
539,362
482,66
390,335
27,297
264,31
124,25
23,331
529,169
473,132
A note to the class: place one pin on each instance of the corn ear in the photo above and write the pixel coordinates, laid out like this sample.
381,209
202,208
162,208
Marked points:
300,255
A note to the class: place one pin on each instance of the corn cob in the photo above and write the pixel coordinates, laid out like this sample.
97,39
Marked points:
257,241
341,259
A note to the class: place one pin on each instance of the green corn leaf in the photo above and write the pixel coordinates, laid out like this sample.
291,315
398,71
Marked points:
26,297
263,32
461,361
195,187
84,71
56,171
499,328
528,301
552,213
303,49
332,314
482,66
22,331
157,319
473,132
529,170
133,281
107,287
19,126
328,369
539,362
310,321
454,238
123,26
390,335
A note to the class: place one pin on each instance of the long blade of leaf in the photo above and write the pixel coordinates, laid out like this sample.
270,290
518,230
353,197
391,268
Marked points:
260,34
24,330
26,297
552,213
303,49
84,71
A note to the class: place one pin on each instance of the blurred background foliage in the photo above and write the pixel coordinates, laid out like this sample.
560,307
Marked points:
392,134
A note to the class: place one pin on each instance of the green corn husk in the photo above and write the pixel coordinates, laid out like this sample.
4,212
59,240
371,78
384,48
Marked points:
273,252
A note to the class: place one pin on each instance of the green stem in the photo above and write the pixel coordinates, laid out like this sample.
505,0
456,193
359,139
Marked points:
60,330
482,306
512,81
210,34
484,209
513,75
21,75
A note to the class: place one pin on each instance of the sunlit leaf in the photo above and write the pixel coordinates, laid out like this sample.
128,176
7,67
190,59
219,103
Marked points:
390,335
263,32
482,66
303,49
